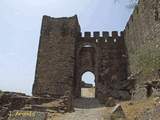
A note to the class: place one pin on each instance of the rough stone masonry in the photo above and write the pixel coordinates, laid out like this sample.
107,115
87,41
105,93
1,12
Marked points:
64,54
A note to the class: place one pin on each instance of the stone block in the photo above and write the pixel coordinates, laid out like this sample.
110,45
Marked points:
118,113
110,102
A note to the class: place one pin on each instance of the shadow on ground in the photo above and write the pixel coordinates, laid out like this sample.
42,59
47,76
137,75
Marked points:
87,103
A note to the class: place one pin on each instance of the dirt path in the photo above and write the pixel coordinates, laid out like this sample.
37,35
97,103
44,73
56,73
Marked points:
86,109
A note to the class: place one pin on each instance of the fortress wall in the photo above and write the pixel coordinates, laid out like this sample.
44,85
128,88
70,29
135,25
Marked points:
142,37
62,58
103,38
110,66
56,56
61,43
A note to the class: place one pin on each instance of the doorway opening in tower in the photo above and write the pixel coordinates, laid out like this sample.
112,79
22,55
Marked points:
88,84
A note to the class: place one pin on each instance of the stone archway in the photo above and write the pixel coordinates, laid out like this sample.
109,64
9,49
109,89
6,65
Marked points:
86,56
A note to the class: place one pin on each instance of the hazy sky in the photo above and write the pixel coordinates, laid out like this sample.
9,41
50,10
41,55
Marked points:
20,22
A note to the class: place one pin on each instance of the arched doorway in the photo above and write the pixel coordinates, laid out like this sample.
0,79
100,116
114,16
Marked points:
86,67
88,84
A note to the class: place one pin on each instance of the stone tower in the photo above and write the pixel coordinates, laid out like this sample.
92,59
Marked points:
56,56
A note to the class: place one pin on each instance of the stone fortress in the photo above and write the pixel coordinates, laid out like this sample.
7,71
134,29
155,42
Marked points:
64,55
126,66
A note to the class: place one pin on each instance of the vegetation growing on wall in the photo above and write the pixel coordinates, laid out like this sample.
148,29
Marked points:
146,58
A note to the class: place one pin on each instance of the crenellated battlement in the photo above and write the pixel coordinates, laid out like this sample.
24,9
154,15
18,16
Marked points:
102,37
104,34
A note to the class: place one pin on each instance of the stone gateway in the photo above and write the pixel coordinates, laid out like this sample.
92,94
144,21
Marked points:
64,55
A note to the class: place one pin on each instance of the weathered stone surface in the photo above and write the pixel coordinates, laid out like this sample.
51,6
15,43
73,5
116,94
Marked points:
56,56
142,34
62,105
27,115
86,85
118,113
88,92
110,102
14,100
3,113
101,97
68,101
150,114
157,99
121,95
64,55
154,84
10,101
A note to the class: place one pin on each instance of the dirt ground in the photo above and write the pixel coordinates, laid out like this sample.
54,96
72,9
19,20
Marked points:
86,109
89,108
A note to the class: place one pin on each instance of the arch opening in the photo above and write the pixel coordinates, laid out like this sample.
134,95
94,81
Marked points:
88,84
